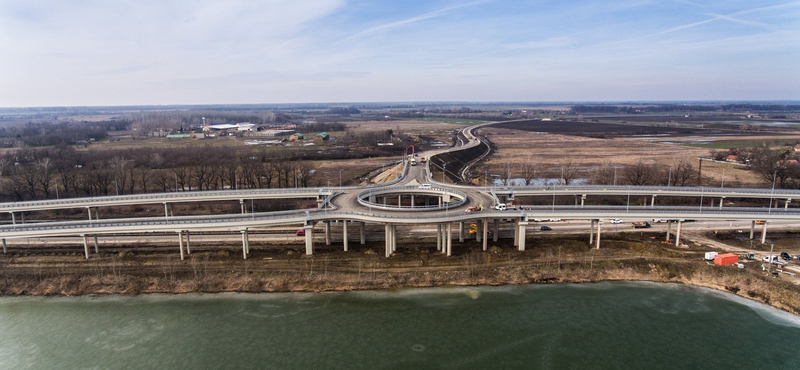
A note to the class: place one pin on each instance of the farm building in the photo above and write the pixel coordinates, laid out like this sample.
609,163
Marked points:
322,136
296,136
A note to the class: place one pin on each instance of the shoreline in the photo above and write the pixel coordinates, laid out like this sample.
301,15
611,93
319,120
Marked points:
742,283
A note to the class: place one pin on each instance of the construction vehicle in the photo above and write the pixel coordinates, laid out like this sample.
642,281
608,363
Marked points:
747,256
641,225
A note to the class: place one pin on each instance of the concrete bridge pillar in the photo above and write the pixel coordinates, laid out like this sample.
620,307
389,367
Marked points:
399,200
597,239
764,233
583,199
90,212
461,231
241,205
309,230
362,232
485,233
591,232
522,226
653,201
245,244
180,244
722,199
344,235
327,233
478,230
189,248
438,237
389,240
96,245
496,230
678,234
5,246
752,229
669,228
13,219
787,203
449,241
516,233
85,246
166,211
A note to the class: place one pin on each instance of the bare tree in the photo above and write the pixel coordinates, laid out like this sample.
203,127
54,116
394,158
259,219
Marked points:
529,169
641,173
569,170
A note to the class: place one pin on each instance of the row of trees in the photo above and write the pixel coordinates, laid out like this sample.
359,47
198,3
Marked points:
65,172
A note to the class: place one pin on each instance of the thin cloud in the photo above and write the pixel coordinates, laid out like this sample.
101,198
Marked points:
429,15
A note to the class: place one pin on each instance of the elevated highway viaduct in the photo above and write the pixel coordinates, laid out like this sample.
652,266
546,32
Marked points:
414,198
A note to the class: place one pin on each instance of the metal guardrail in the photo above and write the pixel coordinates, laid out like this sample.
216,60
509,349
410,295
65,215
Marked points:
360,197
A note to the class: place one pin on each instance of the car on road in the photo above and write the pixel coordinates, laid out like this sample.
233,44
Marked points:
545,228
786,256
555,220
425,186
775,260
616,221
500,207
760,222
658,220
300,232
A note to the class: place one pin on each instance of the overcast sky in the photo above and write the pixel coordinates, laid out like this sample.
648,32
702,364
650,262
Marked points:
97,52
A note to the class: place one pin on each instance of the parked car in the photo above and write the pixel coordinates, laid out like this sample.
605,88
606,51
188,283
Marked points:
775,260
616,221
545,228
786,256
300,232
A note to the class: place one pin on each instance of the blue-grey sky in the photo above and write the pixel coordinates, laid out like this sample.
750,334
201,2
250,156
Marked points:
125,52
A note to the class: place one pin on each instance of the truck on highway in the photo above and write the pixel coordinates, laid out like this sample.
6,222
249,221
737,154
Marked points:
477,208
641,225
413,162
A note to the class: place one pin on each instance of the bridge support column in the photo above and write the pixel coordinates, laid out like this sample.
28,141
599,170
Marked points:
85,246
438,237
327,233
5,246
496,230
387,240
166,211
412,200
669,228
344,234
591,232
597,239
189,248
96,245
653,201
583,199
522,225
516,233
90,212
309,230
786,205
449,237
678,234
241,205
461,231
752,229
180,244
399,200
362,232
720,201
485,233
245,244
764,233
13,219
478,230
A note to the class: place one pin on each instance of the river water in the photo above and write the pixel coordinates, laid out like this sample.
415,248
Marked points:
570,326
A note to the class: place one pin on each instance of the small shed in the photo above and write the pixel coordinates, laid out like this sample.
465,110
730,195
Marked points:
322,136
726,259
296,136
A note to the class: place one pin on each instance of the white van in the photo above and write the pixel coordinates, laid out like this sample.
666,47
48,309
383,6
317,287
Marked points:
500,207
425,186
